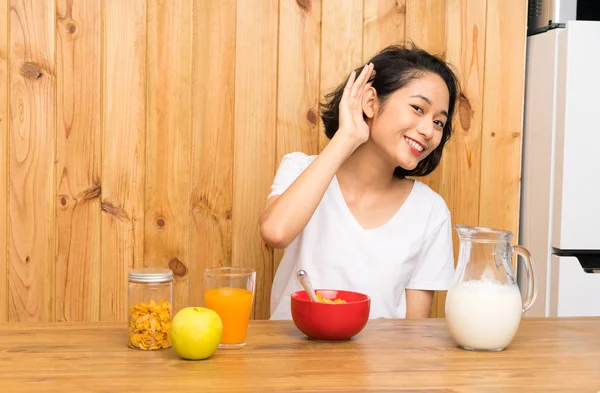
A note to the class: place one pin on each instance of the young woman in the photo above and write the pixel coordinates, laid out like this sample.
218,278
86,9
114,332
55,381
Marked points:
349,216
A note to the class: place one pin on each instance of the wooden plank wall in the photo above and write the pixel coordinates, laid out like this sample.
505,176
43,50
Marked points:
4,263
33,232
147,132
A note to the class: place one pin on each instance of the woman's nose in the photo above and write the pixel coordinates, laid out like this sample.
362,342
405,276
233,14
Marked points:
426,130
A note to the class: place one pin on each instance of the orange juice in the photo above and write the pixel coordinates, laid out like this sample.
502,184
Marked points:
233,306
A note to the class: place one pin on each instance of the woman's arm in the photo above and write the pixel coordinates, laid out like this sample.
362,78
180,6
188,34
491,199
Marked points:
418,303
287,214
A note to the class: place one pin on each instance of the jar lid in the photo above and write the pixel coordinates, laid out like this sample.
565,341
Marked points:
150,274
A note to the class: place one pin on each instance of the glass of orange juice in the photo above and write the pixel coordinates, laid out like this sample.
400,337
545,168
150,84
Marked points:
230,293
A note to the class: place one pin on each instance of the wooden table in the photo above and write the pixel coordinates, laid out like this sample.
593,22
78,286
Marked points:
548,355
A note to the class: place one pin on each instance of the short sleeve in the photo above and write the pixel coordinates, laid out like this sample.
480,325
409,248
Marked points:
435,268
290,167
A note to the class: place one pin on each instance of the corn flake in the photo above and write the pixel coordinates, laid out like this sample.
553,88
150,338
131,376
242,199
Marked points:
324,300
149,325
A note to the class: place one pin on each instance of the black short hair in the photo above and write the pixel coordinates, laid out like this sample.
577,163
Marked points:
395,67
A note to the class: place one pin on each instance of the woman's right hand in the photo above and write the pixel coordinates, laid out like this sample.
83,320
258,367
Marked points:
351,121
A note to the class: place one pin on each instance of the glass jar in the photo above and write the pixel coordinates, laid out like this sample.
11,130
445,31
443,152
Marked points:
150,299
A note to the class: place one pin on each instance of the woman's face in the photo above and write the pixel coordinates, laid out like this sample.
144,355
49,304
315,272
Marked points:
411,124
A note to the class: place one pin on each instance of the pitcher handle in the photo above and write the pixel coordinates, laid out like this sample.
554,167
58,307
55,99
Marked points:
531,282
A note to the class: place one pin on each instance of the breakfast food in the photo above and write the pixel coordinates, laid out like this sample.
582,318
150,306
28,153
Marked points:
324,300
149,325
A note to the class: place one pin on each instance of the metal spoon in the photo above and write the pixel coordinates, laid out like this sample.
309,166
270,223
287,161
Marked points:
305,282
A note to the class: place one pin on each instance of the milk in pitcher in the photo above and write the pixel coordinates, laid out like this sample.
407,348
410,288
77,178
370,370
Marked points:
483,314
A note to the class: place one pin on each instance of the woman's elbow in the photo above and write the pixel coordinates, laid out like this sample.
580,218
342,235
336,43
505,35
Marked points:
273,235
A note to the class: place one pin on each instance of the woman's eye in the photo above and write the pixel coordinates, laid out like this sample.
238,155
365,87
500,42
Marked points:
439,123
417,108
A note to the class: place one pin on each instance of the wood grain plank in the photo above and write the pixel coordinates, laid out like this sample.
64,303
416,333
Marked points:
212,140
298,69
255,133
32,76
426,27
123,147
168,141
503,115
465,49
341,46
78,137
426,24
298,84
383,25
3,160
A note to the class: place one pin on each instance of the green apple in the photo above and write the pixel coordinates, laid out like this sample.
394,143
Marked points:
196,333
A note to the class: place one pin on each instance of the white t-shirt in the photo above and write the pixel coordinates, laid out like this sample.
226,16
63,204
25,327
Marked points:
411,251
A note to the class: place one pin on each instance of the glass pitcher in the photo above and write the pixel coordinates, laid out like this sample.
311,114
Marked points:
484,304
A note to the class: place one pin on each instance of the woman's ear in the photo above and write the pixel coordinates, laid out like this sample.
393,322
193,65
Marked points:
369,102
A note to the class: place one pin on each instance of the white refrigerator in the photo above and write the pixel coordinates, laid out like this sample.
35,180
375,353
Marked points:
560,189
